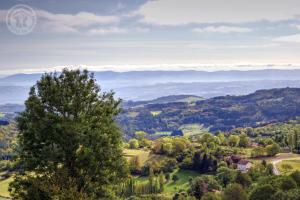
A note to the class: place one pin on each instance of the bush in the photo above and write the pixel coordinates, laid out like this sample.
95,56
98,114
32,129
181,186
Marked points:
262,192
175,178
272,149
134,144
234,192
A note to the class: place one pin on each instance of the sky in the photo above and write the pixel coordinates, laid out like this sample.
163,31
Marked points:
123,35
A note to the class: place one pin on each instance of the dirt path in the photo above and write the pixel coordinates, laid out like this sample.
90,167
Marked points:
282,157
275,168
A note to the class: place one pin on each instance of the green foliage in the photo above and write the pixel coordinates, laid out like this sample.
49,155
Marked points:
202,185
170,146
162,181
262,192
211,196
221,138
272,149
258,152
68,139
244,140
134,144
175,178
57,186
286,167
181,196
269,169
233,140
296,177
234,192
286,183
140,135
225,175
223,113
135,165
243,179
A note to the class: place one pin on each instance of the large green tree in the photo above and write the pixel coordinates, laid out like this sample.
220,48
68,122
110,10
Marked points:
234,192
70,145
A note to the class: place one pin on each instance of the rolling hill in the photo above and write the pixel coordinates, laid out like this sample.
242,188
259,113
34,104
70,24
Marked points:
219,113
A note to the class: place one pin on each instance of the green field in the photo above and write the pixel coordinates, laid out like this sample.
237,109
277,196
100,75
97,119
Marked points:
163,133
182,183
193,129
142,154
133,114
173,187
294,164
155,113
4,187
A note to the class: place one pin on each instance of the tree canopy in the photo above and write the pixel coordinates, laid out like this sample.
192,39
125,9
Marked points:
69,141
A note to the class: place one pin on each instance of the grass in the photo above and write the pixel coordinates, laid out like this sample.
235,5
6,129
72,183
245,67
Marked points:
155,113
294,164
183,181
192,129
163,133
244,152
142,154
4,187
133,114
173,187
289,156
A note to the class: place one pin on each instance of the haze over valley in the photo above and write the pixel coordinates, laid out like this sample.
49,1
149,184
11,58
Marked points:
147,85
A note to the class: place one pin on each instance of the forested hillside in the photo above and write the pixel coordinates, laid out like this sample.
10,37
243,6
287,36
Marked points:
220,113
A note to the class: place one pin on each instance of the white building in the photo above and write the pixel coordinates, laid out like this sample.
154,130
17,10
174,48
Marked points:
244,165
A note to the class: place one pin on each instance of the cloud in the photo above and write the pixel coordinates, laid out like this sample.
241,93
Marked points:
233,46
67,23
180,12
3,15
297,26
290,38
84,22
222,29
142,30
72,23
116,30
106,31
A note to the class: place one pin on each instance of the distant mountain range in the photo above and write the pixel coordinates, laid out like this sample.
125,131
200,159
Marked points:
146,85
220,113
170,114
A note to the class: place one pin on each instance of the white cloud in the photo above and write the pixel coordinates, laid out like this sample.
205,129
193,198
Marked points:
72,23
233,46
222,29
81,19
179,12
67,22
142,30
106,31
297,26
290,38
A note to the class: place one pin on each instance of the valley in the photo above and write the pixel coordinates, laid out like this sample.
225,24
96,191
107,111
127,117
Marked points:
185,146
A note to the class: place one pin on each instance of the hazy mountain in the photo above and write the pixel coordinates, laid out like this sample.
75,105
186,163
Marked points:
152,77
146,85
202,89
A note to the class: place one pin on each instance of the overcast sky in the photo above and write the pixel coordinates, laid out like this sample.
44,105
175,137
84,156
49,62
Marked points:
160,34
